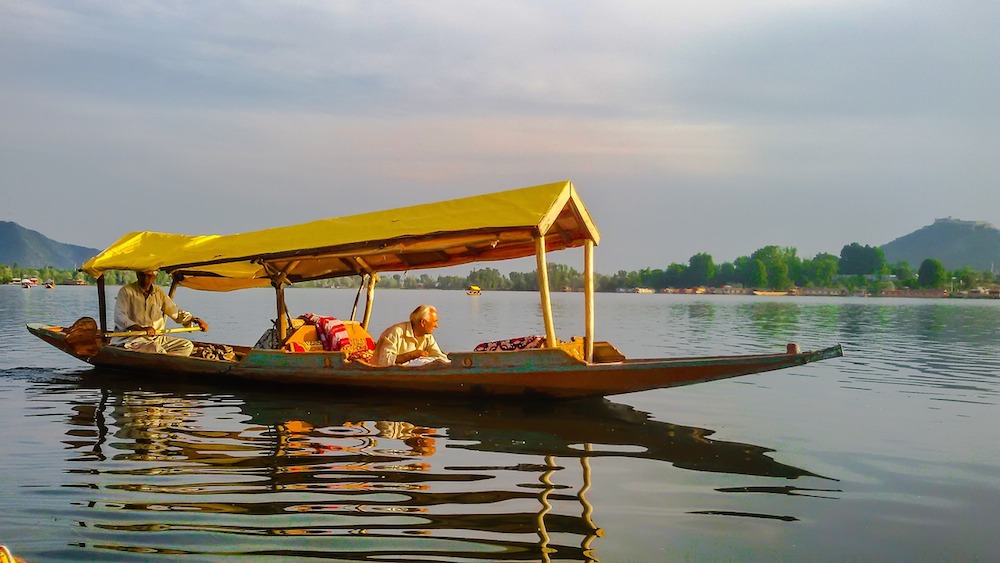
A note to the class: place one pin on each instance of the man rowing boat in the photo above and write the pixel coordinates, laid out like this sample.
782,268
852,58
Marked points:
144,306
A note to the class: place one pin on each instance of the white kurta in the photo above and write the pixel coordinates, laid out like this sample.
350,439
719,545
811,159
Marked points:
134,307
399,339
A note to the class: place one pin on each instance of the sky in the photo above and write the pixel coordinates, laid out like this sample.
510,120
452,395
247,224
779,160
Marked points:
686,127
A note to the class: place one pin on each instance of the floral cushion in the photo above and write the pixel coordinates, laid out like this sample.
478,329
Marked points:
519,343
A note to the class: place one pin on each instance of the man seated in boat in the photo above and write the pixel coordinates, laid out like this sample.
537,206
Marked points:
411,342
143,306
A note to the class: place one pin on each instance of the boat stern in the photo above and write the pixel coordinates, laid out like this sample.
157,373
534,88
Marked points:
56,336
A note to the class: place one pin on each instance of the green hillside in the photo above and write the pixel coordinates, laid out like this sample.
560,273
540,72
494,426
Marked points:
955,243
31,249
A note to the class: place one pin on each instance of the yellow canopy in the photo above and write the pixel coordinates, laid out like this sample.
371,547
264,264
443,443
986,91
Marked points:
497,226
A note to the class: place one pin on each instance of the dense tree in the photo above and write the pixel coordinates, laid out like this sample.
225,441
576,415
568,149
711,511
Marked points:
741,266
675,274
755,274
778,276
932,274
652,278
524,281
488,278
625,280
861,260
779,263
726,274
967,277
819,271
604,283
905,276
701,270
455,282
562,276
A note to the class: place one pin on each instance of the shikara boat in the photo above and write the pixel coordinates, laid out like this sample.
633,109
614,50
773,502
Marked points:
504,225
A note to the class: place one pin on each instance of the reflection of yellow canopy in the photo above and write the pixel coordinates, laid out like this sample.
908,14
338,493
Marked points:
497,226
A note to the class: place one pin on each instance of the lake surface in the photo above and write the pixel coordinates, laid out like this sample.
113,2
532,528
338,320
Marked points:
890,453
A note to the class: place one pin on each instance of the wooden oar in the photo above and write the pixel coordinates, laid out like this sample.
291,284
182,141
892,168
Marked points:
84,337
157,333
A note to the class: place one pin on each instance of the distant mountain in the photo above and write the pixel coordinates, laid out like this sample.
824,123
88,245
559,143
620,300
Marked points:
955,243
31,249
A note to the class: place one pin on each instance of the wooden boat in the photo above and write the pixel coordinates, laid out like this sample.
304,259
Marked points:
503,225
473,290
769,293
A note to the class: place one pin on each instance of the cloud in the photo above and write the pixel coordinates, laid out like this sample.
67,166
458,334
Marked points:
885,59
687,127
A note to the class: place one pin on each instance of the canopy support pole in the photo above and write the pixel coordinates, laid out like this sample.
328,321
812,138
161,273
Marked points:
369,283
361,286
543,288
102,303
279,278
369,300
173,287
279,293
588,296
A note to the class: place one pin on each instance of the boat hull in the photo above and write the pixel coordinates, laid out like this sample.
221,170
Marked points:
554,373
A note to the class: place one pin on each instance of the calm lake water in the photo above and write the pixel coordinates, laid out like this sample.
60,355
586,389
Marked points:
890,453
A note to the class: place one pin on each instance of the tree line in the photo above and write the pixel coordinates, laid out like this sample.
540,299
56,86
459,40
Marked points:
771,267
68,277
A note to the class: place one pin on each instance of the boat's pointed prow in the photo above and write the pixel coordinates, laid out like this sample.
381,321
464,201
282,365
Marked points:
836,351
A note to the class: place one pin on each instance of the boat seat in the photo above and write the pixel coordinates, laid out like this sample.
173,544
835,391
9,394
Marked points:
304,339
606,353
357,344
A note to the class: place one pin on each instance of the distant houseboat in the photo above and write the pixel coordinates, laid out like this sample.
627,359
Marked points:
983,293
473,290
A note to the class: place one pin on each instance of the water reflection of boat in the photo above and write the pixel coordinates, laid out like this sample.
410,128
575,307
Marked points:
455,480
559,429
